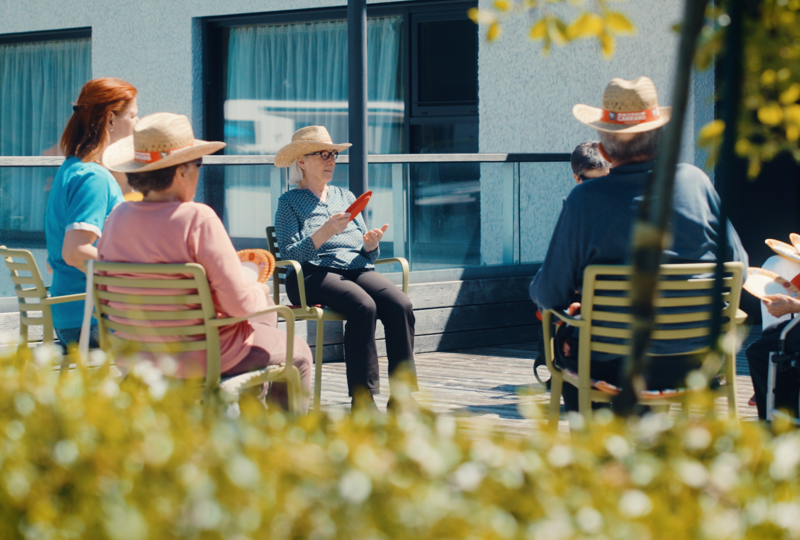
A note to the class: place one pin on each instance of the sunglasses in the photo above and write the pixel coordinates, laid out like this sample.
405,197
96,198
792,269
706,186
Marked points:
325,155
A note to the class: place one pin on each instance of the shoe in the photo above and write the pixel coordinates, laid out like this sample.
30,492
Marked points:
408,404
364,404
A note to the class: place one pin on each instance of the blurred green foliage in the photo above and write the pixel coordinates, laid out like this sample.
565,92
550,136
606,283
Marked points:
600,22
769,115
90,456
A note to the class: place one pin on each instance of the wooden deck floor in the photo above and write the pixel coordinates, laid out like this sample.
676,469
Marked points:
490,383
485,384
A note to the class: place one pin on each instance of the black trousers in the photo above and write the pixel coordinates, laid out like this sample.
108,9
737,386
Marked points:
364,296
786,384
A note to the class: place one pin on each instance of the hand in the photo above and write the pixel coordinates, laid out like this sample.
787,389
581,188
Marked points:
264,287
47,265
373,238
779,305
336,224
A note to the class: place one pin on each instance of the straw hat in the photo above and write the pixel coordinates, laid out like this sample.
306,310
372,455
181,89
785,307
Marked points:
307,140
159,141
628,107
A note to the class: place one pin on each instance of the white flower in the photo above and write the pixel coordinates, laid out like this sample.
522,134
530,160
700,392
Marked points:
635,503
786,457
355,486
468,476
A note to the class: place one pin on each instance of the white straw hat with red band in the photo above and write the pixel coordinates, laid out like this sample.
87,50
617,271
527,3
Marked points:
628,107
308,140
159,141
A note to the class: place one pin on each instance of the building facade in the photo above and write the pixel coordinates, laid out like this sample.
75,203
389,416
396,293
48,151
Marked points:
251,72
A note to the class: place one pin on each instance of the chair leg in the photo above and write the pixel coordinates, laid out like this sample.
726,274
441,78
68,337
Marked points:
556,383
318,364
585,404
293,389
23,335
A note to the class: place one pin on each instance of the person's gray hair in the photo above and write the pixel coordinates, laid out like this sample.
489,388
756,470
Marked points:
586,157
295,173
624,148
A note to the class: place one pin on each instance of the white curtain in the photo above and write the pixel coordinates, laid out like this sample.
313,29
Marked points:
40,81
284,77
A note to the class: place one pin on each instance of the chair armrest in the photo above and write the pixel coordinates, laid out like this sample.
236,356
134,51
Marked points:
403,264
301,284
62,299
572,321
284,312
740,316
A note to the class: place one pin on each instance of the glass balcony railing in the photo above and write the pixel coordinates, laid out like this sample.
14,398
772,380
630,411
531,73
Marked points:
443,210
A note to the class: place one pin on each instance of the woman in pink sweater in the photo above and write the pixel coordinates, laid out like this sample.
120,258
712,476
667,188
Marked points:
162,160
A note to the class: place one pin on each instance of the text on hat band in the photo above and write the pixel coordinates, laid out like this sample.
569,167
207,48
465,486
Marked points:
152,157
633,117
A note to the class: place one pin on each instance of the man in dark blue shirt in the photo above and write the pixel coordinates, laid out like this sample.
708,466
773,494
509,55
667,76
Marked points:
597,219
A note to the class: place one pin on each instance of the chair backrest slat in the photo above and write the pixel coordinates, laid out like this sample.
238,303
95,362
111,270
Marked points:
172,347
24,273
137,314
683,305
139,330
272,241
139,306
144,283
143,299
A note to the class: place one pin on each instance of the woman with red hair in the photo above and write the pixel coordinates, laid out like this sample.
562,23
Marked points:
84,193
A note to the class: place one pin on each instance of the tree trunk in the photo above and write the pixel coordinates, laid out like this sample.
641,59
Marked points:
650,231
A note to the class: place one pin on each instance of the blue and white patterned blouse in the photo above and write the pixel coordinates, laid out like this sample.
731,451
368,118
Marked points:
301,213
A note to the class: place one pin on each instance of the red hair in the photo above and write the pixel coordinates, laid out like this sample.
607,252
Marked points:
86,135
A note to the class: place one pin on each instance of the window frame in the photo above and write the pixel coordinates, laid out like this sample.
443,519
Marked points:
37,239
215,51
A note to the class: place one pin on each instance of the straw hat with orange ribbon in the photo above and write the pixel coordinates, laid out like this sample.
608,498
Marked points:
159,140
628,107
308,140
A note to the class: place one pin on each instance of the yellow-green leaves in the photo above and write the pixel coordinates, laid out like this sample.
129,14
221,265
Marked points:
602,25
538,30
619,23
587,25
790,95
712,130
770,114
494,31
769,117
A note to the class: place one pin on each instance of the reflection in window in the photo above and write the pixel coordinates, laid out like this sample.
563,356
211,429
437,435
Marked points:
39,83
284,77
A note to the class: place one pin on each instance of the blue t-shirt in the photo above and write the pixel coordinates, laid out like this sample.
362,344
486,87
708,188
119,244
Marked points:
82,197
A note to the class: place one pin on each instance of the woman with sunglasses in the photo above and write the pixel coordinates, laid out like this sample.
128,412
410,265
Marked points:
337,257
162,160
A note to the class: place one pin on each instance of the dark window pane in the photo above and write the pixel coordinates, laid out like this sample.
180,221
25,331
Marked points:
448,63
444,138
445,221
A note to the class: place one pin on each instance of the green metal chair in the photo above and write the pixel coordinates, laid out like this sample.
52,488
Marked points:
314,312
605,297
144,293
28,285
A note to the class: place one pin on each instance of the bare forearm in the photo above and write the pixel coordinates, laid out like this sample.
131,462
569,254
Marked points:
78,255
79,247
